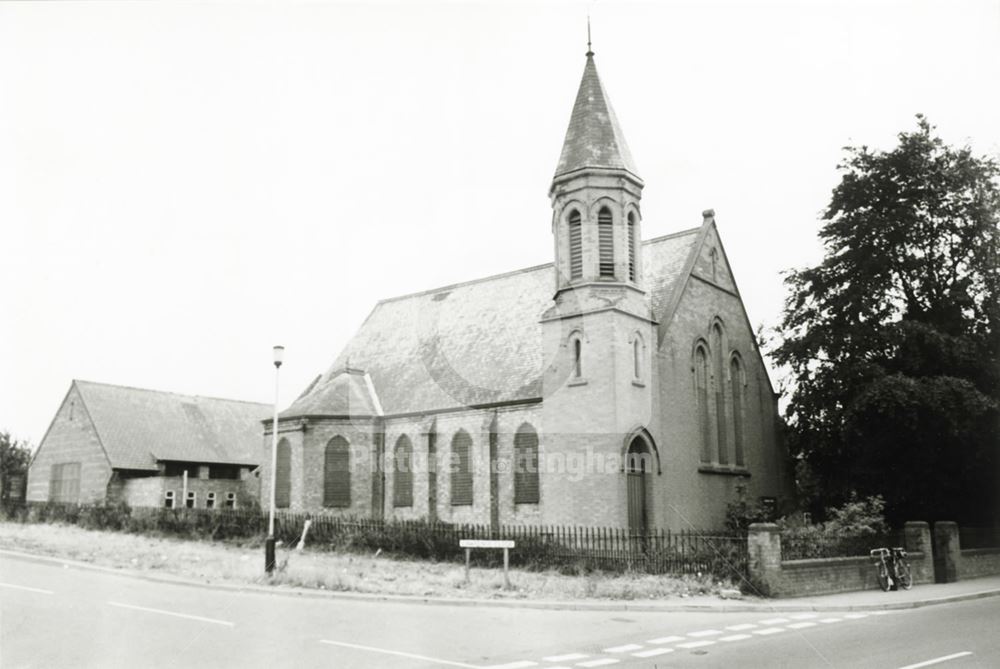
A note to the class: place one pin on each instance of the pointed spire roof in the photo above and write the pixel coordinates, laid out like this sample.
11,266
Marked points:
594,138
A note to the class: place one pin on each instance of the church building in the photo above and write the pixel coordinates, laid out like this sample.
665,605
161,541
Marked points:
620,385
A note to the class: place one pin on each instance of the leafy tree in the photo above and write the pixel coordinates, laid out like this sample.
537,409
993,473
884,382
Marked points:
14,459
893,341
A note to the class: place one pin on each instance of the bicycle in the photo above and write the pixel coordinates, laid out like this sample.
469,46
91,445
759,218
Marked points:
893,568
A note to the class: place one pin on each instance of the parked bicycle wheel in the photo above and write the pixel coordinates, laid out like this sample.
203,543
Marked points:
883,576
903,576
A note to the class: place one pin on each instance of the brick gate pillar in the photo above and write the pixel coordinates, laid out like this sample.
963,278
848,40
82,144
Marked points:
764,547
947,551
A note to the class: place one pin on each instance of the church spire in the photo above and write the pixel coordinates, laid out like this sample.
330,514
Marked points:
594,139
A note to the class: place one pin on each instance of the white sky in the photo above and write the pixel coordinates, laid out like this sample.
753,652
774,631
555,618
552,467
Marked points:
184,185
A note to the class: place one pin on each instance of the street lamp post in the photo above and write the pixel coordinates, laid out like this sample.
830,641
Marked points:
279,354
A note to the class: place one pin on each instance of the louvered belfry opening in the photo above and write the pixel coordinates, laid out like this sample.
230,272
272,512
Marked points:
631,247
461,469
606,243
402,482
337,473
575,245
526,488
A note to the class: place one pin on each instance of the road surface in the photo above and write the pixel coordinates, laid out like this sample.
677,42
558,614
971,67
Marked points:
53,616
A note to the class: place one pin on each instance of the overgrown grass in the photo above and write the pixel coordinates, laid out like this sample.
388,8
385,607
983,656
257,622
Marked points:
241,561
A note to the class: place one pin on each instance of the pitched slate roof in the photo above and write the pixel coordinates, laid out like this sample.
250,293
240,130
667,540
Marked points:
594,138
468,344
138,427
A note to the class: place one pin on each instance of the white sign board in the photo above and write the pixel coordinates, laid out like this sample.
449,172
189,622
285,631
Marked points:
486,543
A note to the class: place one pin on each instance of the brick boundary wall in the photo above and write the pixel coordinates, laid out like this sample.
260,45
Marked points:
955,564
800,578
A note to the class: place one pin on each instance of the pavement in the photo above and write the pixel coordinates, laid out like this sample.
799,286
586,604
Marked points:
867,600
53,615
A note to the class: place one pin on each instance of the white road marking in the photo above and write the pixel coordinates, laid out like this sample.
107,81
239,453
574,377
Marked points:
740,628
695,644
569,657
705,633
769,630
514,665
599,663
734,637
937,660
623,649
654,652
400,654
829,620
26,588
173,613
774,621
666,639
802,616
855,616
799,626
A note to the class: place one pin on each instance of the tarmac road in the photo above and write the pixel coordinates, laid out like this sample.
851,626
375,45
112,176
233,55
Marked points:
52,616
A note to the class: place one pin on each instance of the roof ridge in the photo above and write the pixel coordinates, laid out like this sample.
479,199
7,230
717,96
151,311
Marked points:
167,392
680,233
466,283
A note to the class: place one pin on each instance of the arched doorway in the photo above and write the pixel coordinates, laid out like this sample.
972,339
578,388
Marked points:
638,465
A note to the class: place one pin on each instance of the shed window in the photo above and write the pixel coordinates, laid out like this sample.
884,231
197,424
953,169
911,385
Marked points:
337,473
575,246
192,499
210,500
606,242
283,476
526,465
402,479
230,500
64,483
168,499
461,469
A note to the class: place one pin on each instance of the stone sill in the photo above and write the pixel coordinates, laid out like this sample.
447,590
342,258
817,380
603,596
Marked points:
577,382
724,469
638,384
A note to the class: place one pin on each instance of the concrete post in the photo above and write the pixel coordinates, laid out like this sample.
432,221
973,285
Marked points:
947,551
764,547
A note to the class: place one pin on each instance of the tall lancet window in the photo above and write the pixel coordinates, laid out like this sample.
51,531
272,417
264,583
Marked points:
720,392
575,246
631,246
605,243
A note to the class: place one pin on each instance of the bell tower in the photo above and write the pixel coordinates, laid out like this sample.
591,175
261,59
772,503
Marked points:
595,195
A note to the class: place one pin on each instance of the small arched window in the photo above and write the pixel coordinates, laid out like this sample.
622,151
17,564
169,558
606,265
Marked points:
718,371
701,395
461,469
637,358
526,489
402,475
736,383
605,243
631,246
577,357
575,245
283,475
337,473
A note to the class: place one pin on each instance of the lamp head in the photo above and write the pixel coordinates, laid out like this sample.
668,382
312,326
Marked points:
279,355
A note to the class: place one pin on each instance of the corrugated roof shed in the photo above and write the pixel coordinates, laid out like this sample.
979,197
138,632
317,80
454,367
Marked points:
138,427
464,345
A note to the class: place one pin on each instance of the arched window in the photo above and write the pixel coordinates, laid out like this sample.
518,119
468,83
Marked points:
402,475
605,243
701,396
461,469
631,246
575,246
337,473
577,357
736,383
283,475
526,465
718,371
637,358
